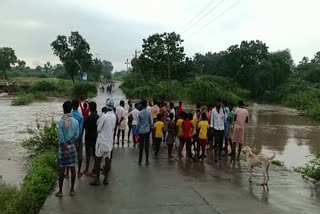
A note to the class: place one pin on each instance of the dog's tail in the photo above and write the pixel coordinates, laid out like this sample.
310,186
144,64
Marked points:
273,156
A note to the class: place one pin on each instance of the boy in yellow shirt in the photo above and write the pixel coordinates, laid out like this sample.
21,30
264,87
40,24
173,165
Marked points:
159,130
180,132
203,136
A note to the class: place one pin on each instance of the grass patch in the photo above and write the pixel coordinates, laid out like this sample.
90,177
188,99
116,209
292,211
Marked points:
40,179
43,89
22,99
311,169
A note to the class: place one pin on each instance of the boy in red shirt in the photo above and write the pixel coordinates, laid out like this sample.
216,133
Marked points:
187,136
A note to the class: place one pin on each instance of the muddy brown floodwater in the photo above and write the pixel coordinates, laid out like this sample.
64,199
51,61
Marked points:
271,129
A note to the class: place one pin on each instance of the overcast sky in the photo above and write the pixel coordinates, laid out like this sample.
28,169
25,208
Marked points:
115,28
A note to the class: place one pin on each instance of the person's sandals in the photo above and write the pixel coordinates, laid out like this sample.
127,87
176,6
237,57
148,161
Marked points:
72,193
105,181
58,194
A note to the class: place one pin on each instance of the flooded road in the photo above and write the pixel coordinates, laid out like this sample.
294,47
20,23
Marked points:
271,128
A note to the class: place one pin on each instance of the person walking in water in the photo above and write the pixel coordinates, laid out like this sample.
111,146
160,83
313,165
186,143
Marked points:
79,144
104,145
240,119
144,125
68,133
217,122
91,134
122,122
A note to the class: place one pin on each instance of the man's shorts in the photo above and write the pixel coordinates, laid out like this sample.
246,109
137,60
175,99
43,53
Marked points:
134,129
203,142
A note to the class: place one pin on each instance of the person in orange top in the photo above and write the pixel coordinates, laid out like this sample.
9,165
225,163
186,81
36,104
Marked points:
203,136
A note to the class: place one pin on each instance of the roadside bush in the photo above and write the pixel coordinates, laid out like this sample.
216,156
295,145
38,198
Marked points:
22,99
43,86
312,169
41,178
7,193
300,94
44,139
204,91
36,187
85,90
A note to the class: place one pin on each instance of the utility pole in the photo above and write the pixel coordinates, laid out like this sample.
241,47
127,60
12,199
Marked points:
127,63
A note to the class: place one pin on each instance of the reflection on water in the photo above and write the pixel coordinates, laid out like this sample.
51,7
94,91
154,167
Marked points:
280,129
271,128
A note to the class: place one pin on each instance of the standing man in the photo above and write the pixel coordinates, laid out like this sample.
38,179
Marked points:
90,127
144,125
217,122
122,121
129,120
79,145
104,145
240,119
68,132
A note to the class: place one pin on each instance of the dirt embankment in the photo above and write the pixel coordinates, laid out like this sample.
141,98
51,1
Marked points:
12,87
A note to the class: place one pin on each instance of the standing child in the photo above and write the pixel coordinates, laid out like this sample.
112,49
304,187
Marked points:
134,114
159,129
180,133
187,134
203,136
171,134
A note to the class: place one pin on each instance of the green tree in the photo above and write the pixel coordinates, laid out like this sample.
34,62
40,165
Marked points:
73,52
95,69
107,68
160,54
7,59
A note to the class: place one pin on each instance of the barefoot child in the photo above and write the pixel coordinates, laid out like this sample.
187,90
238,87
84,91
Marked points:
203,136
171,134
159,130
187,134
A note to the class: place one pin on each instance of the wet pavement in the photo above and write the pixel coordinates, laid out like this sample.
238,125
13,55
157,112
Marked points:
181,186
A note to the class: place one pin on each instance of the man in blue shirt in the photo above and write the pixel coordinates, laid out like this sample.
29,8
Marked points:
68,131
144,126
76,114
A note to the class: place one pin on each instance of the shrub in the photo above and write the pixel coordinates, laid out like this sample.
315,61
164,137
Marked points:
43,86
204,91
37,185
277,162
85,90
44,139
7,193
22,99
311,169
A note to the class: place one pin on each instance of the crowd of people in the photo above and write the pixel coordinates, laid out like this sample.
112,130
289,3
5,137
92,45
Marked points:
219,129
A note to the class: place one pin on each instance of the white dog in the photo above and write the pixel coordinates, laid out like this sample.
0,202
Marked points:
254,160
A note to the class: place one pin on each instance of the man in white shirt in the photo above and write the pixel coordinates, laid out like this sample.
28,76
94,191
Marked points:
218,116
134,113
122,121
104,145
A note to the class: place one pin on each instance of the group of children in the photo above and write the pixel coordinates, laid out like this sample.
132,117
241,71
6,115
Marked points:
193,131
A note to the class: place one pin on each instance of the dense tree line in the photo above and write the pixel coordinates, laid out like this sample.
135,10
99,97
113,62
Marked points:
250,64
73,52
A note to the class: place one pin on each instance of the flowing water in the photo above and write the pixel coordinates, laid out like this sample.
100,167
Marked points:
271,128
